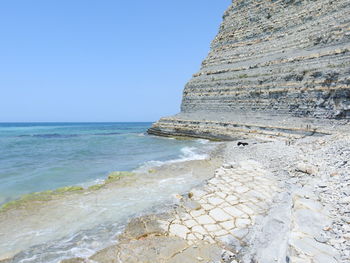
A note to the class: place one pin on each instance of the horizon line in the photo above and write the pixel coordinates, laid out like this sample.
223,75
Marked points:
73,121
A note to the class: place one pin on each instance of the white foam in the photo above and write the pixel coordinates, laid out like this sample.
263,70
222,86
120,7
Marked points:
168,181
109,206
91,183
31,259
203,141
187,154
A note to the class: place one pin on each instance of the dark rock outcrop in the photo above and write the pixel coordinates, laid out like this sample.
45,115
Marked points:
280,58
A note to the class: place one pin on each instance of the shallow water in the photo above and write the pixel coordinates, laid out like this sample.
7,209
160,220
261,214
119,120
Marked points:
79,225
41,157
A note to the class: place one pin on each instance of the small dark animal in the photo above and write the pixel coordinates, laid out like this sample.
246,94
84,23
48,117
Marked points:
242,143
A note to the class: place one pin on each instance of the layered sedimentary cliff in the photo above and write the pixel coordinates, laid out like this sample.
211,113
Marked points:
270,58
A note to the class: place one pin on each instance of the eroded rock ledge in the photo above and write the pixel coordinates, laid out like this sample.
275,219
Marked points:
239,125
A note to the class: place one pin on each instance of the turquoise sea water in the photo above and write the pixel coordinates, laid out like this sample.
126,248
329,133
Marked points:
42,156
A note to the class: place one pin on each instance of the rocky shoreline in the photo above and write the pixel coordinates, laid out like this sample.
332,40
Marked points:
276,77
77,220
240,125
271,201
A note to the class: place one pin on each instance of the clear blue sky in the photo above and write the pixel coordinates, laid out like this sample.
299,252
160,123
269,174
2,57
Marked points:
101,60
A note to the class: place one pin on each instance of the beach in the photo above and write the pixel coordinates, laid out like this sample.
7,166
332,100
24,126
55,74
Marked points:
78,221
270,200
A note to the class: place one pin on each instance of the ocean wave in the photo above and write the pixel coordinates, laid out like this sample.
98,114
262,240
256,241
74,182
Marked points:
92,182
81,244
203,141
187,154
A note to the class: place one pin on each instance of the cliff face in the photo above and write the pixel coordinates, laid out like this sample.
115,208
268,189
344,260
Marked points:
276,57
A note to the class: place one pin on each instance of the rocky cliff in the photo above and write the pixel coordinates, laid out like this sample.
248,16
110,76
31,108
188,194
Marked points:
271,61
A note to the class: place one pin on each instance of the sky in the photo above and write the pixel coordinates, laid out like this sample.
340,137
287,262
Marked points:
105,60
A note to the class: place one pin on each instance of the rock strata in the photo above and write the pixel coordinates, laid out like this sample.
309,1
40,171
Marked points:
271,58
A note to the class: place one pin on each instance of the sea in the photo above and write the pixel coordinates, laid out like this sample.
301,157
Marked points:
36,157
42,156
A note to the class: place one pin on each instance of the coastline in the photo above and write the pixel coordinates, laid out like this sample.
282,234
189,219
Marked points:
188,154
68,204
272,95
271,201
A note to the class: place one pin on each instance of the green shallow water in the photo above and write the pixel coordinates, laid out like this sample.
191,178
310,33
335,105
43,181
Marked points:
64,221
38,157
